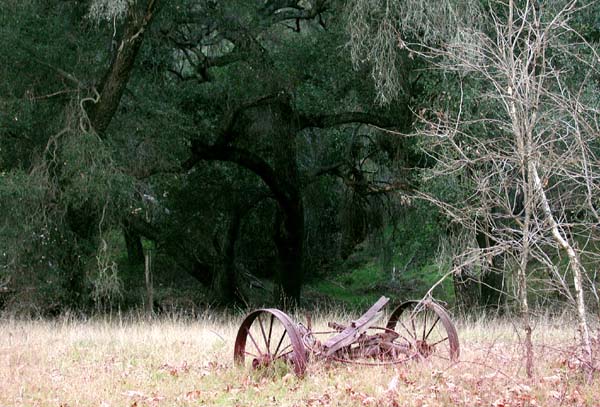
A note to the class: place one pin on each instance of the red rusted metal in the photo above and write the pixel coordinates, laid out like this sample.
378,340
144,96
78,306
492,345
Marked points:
416,321
349,335
413,331
270,344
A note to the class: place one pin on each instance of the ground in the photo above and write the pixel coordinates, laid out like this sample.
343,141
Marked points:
130,361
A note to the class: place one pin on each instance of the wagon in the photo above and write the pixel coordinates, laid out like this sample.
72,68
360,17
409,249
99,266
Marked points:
414,330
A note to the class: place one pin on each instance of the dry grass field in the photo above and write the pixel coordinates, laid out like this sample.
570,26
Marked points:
177,362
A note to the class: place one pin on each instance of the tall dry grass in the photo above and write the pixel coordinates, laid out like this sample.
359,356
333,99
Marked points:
173,361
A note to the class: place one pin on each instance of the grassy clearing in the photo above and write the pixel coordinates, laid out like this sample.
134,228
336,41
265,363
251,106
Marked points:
171,362
360,286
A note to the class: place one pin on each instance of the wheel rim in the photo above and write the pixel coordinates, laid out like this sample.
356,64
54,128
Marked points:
427,328
267,336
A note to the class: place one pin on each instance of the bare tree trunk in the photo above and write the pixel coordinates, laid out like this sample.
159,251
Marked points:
524,305
522,278
149,284
524,142
574,264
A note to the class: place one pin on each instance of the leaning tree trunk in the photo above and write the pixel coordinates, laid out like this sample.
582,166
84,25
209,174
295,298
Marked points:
100,111
574,263
116,77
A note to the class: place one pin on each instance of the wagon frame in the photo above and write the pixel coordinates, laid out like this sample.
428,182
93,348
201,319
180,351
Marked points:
414,330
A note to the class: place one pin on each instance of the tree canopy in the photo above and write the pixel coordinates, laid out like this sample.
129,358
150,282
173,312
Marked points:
243,149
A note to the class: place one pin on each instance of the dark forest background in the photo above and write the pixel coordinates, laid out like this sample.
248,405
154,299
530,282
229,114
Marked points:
175,155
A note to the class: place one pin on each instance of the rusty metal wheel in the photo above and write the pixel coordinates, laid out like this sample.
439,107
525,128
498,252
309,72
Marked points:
268,336
426,328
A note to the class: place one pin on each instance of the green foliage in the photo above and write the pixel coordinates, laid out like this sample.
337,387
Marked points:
89,175
23,228
378,32
67,191
58,179
416,263
354,289
360,287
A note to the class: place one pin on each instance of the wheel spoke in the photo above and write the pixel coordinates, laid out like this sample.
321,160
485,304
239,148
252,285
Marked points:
431,329
270,331
412,323
279,344
425,324
281,353
254,342
408,330
409,343
425,333
286,353
262,331
261,328
438,342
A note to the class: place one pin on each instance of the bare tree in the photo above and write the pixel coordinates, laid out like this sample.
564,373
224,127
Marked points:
539,154
524,149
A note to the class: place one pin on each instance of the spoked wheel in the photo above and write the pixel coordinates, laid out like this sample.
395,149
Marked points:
267,337
427,329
